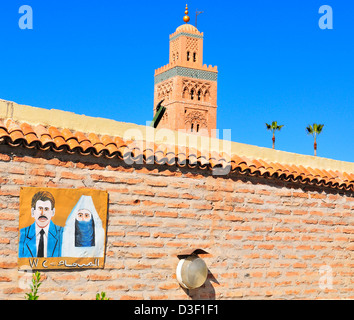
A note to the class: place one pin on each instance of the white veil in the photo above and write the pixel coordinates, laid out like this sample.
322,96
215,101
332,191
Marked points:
68,244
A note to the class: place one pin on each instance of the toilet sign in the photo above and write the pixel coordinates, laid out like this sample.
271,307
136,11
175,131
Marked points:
62,228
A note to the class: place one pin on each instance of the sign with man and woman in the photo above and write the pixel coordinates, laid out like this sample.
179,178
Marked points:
62,228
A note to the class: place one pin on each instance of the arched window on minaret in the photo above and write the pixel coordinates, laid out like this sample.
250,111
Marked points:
192,94
206,95
185,92
198,127
192,127
194,57
199,95
188,55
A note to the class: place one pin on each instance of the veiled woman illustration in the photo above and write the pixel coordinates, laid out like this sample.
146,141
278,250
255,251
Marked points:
83,234
84,229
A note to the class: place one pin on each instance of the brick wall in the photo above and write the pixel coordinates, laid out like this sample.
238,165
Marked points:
266,239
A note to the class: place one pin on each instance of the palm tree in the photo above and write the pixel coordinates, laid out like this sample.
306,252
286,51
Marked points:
315,129
273,127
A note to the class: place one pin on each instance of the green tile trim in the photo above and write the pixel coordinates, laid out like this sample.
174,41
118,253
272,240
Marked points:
186,72
186,34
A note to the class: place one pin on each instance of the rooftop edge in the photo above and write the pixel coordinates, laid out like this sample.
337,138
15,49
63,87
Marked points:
101,126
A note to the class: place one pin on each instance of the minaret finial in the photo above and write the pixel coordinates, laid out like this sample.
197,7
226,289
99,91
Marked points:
186,17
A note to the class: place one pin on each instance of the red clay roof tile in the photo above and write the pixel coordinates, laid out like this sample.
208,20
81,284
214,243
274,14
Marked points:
60,143
237,160
3,133
258,164
54,132
112,148
65,140
27,129
95,140
67,134
16,135
11,126
72,143
119,142
31,138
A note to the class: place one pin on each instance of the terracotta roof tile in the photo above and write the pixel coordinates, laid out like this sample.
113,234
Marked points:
3,133
52,138
264,163
170,155
54,132
16,135
349,177
84,143
67,134
31,138
236,163
43,135
313,173
60,144
97,145
135,149
192,160
40,131
26,129
323,173
293,169
272,172
243,167
109,144
332,174
148,152
181,156
160,154
72,143
303,171
119,142
277,167
106,140
11,126
258,163
58,139
14,132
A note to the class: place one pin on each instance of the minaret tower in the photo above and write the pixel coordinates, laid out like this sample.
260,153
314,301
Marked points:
188,87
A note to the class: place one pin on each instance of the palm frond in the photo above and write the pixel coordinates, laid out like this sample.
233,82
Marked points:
274,126
314,129
309,129
319,128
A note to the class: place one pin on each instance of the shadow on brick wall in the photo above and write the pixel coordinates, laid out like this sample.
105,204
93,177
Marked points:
206,291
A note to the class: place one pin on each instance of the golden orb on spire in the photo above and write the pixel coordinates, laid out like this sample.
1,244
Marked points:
186,17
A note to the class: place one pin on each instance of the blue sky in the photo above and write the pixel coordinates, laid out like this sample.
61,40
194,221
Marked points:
275,63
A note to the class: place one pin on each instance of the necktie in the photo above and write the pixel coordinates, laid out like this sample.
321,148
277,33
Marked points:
41,245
